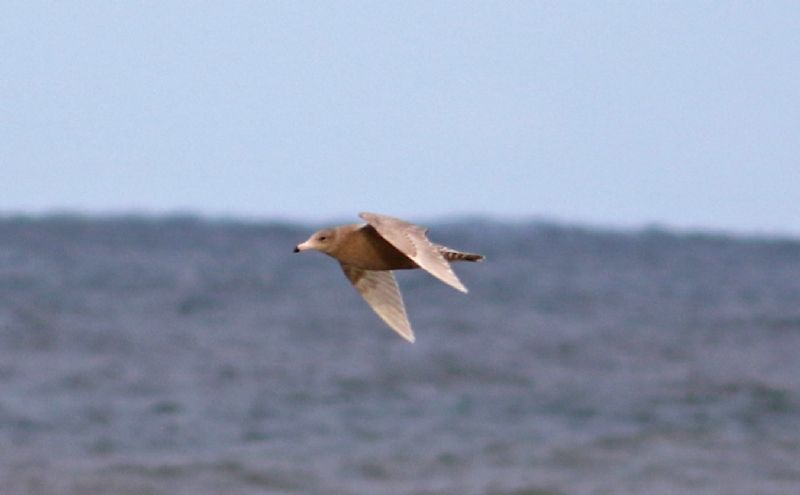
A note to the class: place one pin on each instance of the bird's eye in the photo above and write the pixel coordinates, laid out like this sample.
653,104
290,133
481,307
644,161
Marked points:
322,238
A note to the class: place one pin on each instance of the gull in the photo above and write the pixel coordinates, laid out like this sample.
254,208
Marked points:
368,252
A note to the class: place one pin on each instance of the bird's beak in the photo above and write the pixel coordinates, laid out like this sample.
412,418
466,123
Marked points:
303,246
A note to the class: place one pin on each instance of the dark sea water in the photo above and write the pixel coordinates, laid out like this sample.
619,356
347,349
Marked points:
184,356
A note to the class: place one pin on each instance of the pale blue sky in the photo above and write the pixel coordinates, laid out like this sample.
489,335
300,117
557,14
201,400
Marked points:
613,113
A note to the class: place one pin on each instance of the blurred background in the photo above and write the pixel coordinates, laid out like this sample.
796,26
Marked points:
628,169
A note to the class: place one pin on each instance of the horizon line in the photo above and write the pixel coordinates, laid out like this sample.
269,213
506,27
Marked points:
542,220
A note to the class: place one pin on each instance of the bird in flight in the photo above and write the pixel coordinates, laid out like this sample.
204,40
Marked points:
368,252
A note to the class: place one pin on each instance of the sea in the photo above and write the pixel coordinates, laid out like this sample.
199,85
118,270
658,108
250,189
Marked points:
196,356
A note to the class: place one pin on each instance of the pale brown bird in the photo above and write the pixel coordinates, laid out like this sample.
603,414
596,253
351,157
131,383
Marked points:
369,252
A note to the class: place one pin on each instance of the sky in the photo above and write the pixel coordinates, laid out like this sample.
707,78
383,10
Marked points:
682,114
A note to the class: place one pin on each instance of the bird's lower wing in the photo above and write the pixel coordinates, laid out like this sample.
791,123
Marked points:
380,290
411,240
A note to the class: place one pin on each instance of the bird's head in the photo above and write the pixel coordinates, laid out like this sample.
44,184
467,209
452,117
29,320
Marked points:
322,240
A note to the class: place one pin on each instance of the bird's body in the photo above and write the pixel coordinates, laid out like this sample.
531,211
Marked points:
361,246
369,252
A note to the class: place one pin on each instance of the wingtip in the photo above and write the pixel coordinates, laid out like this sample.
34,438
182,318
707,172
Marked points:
407,334
408,337
457,285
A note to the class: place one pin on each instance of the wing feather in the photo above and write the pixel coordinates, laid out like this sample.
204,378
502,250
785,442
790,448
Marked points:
412,241
380,290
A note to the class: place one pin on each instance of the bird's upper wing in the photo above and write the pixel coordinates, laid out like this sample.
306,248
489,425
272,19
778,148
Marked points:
380,290
411,240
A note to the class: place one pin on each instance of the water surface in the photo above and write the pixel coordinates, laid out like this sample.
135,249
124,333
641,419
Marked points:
185,356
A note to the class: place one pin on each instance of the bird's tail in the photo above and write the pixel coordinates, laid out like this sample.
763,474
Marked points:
453,255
